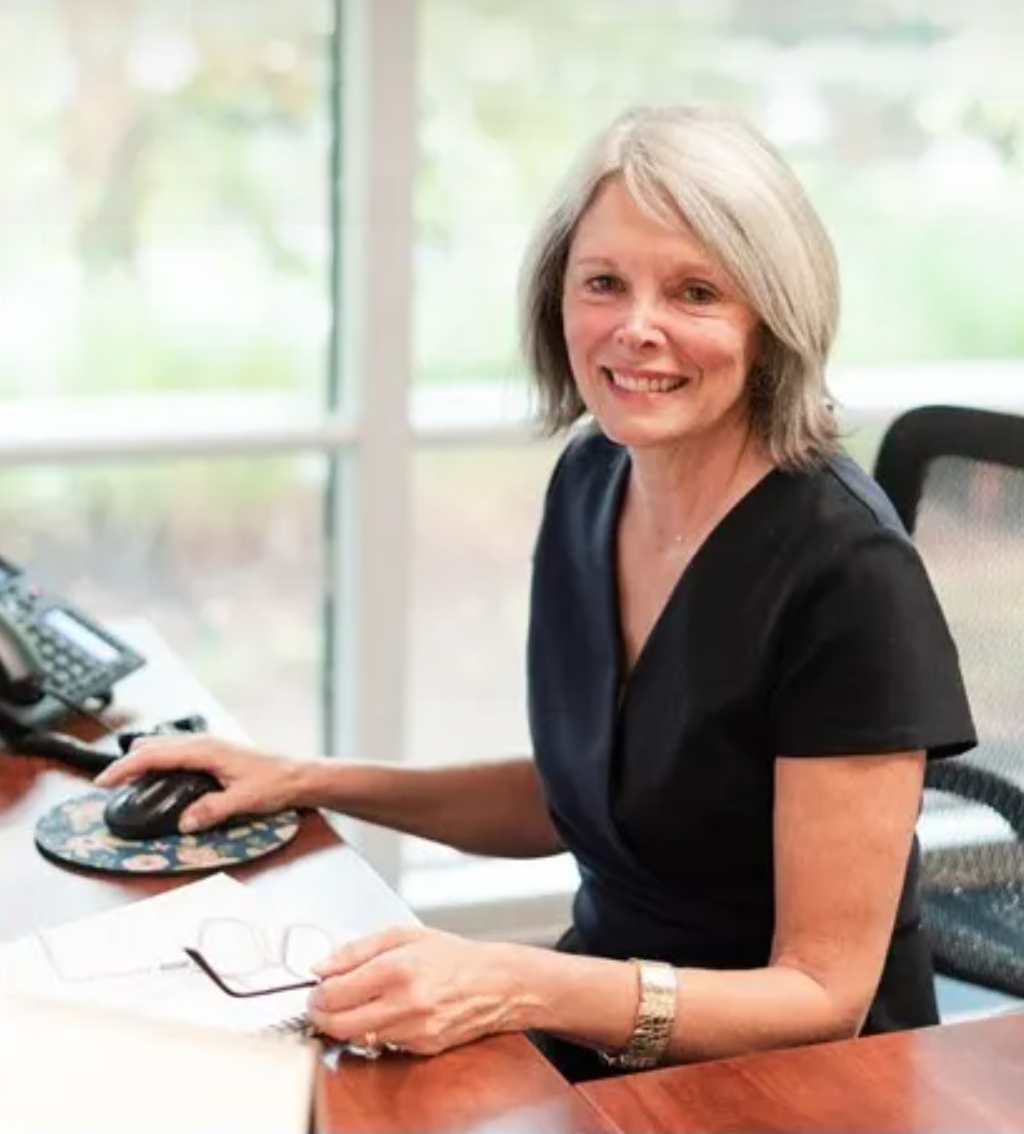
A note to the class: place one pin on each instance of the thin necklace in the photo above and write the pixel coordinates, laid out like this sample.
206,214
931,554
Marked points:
680,540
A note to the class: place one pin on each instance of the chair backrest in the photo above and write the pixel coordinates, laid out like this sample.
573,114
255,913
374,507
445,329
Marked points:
928,434
956,478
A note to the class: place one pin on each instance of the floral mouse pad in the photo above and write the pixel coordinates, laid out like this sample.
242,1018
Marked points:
74,832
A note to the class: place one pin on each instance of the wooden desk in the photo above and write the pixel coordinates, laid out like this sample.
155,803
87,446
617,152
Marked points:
481,1085
966,1076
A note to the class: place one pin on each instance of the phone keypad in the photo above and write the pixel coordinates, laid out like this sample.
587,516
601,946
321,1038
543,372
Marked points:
69,670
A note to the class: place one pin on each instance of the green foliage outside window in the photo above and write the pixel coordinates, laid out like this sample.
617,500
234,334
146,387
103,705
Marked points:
165,172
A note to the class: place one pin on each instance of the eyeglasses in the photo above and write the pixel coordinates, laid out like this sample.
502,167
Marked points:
241,958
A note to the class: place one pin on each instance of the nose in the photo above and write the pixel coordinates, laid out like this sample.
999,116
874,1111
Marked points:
639,330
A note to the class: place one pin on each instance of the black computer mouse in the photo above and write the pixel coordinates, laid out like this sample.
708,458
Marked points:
150,807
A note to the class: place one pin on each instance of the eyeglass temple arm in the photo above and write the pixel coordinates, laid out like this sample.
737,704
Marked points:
197,957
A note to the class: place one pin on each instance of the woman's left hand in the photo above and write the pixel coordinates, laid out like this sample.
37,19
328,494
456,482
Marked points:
420,989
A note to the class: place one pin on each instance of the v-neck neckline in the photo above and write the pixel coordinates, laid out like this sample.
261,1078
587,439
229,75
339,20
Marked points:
625,680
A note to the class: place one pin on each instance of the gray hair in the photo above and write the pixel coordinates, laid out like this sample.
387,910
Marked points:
719,176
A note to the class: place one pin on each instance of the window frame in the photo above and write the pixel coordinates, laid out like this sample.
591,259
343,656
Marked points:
372,422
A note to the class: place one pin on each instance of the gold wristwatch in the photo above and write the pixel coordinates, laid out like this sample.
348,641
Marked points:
655,1015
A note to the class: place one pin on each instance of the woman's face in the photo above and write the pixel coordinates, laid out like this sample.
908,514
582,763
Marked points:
659,339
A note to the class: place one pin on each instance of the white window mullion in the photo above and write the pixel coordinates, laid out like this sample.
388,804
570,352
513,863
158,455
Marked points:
378,139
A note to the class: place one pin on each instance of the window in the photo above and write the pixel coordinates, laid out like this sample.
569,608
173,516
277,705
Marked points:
246,244
165,198
902,121
225,558
903,118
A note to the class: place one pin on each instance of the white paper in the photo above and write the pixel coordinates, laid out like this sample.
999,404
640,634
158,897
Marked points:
134,941
67,1068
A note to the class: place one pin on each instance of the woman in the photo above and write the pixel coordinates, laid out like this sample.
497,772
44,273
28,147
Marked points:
737,665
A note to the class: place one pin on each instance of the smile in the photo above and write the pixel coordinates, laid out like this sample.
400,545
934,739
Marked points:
645,384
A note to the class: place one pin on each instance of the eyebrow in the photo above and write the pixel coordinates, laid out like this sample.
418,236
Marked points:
702,267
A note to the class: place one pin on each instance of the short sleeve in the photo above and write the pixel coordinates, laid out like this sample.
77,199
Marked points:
867,664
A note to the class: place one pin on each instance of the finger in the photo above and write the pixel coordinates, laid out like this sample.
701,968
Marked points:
218,806
210,811
355,953
156,754
352,989
354,1024
149,755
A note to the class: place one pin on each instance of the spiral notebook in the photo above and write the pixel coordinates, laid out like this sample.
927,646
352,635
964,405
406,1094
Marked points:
131,960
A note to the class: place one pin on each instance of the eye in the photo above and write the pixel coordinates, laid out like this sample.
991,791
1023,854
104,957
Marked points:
604,284
699,293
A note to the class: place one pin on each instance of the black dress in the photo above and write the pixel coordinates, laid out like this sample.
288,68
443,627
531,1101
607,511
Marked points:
804,626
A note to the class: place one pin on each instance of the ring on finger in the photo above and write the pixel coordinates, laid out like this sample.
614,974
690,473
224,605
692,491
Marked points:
369,1047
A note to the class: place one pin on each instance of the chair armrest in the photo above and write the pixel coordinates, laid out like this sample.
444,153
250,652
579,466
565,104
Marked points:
981,786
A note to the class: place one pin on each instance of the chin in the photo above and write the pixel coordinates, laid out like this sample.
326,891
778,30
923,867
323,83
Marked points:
642,434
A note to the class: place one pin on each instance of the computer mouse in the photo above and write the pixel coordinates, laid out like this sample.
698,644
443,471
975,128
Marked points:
150,807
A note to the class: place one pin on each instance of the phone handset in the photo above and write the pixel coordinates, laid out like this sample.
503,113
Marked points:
22,673
23,683
54,658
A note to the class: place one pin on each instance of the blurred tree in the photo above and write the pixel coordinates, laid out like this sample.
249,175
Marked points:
166,185
104,130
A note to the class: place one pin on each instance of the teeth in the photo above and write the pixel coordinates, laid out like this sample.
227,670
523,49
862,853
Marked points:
645,385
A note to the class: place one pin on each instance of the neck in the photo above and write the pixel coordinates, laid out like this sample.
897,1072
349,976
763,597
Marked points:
678,495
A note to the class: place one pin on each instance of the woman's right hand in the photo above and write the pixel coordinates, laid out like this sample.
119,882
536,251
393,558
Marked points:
252,782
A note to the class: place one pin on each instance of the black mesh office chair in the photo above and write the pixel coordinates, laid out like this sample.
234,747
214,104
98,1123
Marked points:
956,477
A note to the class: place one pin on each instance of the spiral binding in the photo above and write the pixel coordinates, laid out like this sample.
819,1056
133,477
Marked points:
297,1027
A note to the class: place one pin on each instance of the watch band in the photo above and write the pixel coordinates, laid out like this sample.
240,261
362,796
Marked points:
655,1017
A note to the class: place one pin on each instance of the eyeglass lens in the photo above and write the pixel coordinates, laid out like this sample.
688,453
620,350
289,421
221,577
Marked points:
241,954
